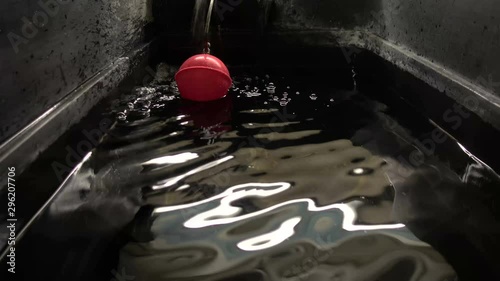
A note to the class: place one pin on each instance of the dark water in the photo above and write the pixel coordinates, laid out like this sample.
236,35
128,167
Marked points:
314,182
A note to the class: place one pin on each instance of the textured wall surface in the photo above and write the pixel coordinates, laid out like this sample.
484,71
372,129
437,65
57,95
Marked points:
461,35
49,47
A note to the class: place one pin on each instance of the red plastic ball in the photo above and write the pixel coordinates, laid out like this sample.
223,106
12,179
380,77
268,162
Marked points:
203,78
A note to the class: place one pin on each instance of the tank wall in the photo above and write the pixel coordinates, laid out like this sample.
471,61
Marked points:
49,47
461,35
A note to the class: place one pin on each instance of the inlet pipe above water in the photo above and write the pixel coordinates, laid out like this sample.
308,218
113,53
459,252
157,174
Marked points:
204,77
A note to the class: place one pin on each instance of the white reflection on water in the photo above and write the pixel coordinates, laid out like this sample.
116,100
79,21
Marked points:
225,213
173,159
176,179
271,239
232,194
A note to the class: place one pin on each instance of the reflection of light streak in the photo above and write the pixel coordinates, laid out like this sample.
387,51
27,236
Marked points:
173,159
222,213
186,186
271,239
225,209
236,193
268,125
481,163
358,171
350,217
87,157
472,155
175,180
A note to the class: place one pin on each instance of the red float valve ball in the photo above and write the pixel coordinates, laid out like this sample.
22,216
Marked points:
203,78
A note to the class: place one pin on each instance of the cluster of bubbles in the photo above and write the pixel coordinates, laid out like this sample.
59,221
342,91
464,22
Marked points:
142,100
265,86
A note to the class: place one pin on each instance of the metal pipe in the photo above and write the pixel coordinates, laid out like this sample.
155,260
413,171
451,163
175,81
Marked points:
206,49
209,17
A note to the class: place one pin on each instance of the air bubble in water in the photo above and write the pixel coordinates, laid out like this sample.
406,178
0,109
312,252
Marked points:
121,116
143,103
162,88
142,91
332,100
253,93
297,93
313,97
284,101
271,88
130,105
166,98
174,87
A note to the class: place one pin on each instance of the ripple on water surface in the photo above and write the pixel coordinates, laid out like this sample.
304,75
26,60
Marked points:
263,185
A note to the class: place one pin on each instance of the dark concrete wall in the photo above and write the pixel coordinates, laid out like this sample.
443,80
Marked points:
461,35
48,48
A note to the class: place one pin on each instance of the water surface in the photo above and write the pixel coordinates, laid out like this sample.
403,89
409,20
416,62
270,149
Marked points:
290,177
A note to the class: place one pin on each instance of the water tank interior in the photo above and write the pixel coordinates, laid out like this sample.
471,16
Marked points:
356,140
